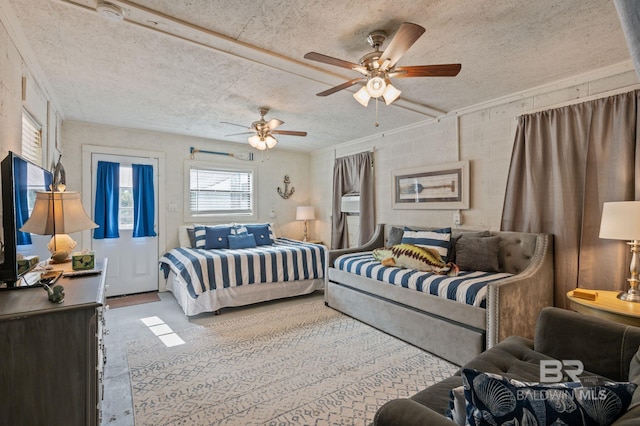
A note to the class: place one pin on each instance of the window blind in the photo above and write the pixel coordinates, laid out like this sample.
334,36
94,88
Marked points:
214,192
31,138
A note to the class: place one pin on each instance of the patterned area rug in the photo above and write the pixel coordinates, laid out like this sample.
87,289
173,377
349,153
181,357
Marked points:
301,365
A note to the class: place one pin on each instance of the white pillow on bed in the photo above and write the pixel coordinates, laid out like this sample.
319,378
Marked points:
183,236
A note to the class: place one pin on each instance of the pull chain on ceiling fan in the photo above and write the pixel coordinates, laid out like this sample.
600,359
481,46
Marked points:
379,67
264,130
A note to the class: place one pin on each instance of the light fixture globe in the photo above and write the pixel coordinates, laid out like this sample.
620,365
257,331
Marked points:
362,96
261,145
376,86
390,94
270,141
254,141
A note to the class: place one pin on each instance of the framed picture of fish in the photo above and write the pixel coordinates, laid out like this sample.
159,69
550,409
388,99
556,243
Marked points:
441,186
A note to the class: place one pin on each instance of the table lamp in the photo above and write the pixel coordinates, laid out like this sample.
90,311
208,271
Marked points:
621,221
305,213
57,214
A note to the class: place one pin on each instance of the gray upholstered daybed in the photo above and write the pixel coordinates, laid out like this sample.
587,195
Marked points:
451,329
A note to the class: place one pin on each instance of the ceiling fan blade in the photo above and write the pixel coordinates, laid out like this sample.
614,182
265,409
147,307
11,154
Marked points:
243,133
442,70
289,132
339,87
273,123
407,34
234,124
331,60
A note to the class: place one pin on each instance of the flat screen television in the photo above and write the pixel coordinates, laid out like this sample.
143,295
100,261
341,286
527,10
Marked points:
21,179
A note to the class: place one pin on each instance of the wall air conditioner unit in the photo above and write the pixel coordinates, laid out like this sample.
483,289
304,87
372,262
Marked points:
350,203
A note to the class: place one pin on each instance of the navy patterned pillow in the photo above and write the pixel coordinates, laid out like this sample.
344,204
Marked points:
261,234
217,237
493,399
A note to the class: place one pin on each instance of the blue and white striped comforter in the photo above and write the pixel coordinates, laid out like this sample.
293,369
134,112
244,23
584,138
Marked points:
285,260
468,287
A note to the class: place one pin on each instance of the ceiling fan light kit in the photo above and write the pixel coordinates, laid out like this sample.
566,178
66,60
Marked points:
262,131
379,67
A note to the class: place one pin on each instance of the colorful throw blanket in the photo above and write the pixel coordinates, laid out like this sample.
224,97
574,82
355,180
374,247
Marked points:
468,287
285,260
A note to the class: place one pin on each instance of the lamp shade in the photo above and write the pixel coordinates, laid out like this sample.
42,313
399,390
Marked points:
390,94
620,220
305,213
57,213
362,96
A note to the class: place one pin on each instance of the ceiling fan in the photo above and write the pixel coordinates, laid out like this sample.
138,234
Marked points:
264,130
379,67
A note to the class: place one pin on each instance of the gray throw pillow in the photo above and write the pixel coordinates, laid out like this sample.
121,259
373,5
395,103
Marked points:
478,254
395,236
192,237
456,236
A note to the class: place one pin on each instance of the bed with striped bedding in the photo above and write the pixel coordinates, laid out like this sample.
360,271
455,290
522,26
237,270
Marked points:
224,277
468,287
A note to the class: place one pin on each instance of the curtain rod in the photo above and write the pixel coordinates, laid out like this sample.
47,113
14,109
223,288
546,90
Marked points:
372,150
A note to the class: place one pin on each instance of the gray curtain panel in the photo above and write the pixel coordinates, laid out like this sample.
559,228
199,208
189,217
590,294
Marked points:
566,163
353,173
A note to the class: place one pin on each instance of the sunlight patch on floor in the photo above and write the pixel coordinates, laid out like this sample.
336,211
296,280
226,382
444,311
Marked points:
163,331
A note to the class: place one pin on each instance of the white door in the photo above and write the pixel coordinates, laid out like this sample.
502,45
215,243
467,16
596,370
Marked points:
133,262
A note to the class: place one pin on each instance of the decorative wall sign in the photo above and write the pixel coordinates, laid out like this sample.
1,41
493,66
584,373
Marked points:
442,186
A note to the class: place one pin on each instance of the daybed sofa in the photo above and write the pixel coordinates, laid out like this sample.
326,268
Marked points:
606,349
209,271
451,329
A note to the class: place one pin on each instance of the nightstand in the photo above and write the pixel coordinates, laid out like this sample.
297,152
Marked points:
607,306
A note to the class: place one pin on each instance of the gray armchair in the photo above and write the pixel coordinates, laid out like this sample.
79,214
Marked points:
606,349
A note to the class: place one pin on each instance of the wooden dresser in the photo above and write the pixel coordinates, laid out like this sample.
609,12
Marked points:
52,355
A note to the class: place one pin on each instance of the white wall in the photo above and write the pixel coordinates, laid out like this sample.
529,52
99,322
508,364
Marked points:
271,171
36,100
483,135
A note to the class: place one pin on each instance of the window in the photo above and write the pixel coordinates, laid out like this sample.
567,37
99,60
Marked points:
125,211
215,192
31,138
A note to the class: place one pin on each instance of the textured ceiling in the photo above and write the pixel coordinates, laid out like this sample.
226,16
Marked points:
227,58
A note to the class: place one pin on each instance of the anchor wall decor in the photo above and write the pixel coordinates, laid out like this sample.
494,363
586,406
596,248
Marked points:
287,192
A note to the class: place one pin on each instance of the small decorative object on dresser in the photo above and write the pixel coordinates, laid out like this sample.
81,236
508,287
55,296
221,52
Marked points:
56,293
